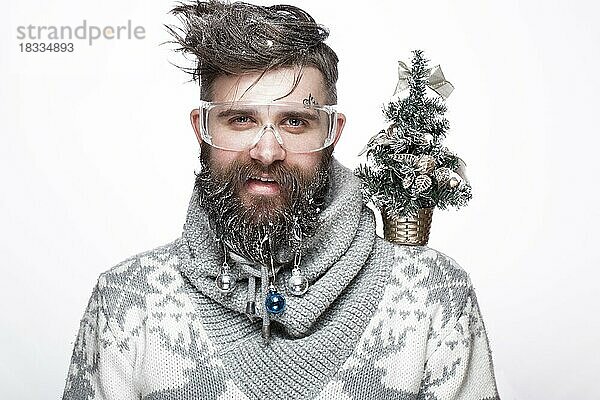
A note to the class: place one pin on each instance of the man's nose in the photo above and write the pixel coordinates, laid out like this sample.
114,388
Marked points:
268,149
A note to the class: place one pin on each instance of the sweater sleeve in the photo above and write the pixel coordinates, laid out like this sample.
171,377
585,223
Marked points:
102,363
461,365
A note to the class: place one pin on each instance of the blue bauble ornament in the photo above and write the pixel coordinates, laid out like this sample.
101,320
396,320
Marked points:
274,302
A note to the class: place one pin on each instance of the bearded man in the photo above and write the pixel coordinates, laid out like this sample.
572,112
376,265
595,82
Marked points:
278,287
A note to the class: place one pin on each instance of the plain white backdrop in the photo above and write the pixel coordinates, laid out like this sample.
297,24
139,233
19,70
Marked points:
97,159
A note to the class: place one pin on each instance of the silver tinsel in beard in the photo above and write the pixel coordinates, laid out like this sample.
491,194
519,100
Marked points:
269,228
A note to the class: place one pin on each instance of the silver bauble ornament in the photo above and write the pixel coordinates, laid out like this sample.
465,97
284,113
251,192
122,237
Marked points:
225,281
454,182
297,284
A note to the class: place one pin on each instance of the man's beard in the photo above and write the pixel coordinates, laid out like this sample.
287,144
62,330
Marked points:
267,227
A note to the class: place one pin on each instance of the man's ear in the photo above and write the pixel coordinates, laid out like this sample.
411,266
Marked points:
195,120
341,122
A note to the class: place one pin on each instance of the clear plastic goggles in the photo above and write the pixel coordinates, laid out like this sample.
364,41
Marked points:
239,125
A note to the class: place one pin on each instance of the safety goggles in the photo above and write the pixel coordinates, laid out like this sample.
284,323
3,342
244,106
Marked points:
239,125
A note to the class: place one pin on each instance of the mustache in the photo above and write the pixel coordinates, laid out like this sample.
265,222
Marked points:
290,179
228,181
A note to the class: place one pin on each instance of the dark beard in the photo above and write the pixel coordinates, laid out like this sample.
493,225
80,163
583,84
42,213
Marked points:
268,226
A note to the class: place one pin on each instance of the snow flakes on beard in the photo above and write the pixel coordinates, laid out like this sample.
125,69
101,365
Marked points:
287,219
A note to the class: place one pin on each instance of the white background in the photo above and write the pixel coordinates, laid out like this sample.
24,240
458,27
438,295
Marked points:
97,160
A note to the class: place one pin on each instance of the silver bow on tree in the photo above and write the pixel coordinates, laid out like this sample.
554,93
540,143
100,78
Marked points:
436,82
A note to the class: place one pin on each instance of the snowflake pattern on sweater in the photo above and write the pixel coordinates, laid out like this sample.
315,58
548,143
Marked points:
144,336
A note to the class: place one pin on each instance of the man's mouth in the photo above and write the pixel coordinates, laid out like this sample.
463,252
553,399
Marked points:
262,185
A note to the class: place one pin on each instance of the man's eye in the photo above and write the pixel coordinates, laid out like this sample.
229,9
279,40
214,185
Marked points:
295,122
241,120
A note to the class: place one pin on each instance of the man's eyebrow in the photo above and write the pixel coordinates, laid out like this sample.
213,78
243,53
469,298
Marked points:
312,116
228,112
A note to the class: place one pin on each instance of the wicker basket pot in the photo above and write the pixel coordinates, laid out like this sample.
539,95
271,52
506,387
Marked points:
408,230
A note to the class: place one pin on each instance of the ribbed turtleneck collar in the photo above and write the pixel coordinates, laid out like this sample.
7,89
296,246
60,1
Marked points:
340,246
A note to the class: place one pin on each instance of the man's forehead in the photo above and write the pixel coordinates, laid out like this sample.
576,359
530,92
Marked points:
273,85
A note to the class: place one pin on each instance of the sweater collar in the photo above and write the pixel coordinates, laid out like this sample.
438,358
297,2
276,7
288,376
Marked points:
344,227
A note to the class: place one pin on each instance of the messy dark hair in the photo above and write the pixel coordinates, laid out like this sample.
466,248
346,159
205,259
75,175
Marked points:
236,38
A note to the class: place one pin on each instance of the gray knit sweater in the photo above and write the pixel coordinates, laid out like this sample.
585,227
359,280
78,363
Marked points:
379,321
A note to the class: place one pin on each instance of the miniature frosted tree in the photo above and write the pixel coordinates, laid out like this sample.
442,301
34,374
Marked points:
407,166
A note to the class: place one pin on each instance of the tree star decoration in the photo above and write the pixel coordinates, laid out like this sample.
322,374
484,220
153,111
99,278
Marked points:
407,166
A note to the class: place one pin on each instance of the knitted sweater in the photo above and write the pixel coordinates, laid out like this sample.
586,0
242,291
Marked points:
379,321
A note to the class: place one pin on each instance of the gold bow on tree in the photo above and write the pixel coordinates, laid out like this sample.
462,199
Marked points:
436,82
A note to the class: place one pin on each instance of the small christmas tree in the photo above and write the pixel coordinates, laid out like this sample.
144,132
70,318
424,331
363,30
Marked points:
407,166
